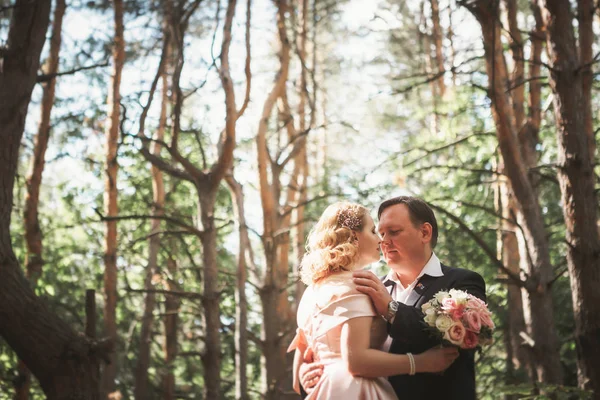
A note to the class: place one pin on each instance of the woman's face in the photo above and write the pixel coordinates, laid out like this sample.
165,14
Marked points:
368,243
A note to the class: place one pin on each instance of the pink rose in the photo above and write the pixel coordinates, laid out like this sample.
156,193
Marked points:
486,320
455,310
476,304
448,303
473,320
470,340
456,334
458,312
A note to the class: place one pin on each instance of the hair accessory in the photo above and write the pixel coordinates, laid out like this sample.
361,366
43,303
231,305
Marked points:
348,218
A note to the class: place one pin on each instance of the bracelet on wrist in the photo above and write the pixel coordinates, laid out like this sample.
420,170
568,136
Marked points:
411,361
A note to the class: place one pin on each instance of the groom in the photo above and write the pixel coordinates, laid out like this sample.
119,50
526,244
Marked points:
408,230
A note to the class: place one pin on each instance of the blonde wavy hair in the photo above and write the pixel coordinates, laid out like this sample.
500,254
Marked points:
331,245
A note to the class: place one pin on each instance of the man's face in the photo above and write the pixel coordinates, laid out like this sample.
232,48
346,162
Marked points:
403,244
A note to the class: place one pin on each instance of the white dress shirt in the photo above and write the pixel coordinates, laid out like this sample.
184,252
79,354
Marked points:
407,295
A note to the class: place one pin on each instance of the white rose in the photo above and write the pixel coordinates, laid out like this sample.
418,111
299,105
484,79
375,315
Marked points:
439,296
460,296
426,306
443,323
430,319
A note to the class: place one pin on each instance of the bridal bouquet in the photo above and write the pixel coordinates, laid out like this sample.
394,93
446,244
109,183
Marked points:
459,318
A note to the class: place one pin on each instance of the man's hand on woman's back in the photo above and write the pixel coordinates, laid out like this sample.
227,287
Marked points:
310,371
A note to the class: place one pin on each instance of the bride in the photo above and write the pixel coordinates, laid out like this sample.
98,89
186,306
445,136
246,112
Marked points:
338,325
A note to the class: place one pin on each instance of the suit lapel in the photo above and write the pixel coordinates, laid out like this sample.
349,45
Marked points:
424,287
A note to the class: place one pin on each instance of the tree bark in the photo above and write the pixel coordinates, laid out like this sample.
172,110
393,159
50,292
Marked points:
206,183
539,310
529,133
510,254
207,192
426,40
33,233
63,361
273,291
245,248
171,319
576,178
301,158
517,82
110,197
241,302
451,9
438,36
158,198
585,16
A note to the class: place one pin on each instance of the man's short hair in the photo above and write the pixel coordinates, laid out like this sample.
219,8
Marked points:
419,212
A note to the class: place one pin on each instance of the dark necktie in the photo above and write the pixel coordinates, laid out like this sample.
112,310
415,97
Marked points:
390,284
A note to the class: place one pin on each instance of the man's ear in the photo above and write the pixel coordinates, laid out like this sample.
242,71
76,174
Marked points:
426,232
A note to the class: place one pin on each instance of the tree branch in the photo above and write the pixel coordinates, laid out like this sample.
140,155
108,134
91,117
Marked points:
479,241
47,77
172,220
189,295
247,69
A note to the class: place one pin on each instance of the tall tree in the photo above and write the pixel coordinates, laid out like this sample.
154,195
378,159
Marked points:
171,321
513,246
510,254
110,195
63,361
277,208
438,37
206,180
538,302
245,254
302,156
585,18
158,204
241,301
570,83
33,232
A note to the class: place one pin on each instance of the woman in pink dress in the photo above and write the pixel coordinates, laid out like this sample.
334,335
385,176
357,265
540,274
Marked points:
337,325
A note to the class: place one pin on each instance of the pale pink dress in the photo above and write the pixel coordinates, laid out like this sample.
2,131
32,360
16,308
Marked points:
323,310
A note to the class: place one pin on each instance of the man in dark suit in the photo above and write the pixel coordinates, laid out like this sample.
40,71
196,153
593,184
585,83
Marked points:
408,229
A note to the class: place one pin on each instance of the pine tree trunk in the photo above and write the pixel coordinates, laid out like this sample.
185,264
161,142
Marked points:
301,159
517,82
171,318
576,179
585,17
514,244
241,302
63,361
33,233
539,314
207,189
211,359
529,134
510,254
158,198
273,292
110,197
439,47
206,183
451,9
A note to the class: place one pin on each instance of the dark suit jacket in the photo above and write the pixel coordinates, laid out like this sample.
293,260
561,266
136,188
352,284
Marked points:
410,335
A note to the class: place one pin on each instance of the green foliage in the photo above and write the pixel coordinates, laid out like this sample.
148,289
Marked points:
383,133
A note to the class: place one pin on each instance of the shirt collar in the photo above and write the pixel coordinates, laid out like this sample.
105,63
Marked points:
433,267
